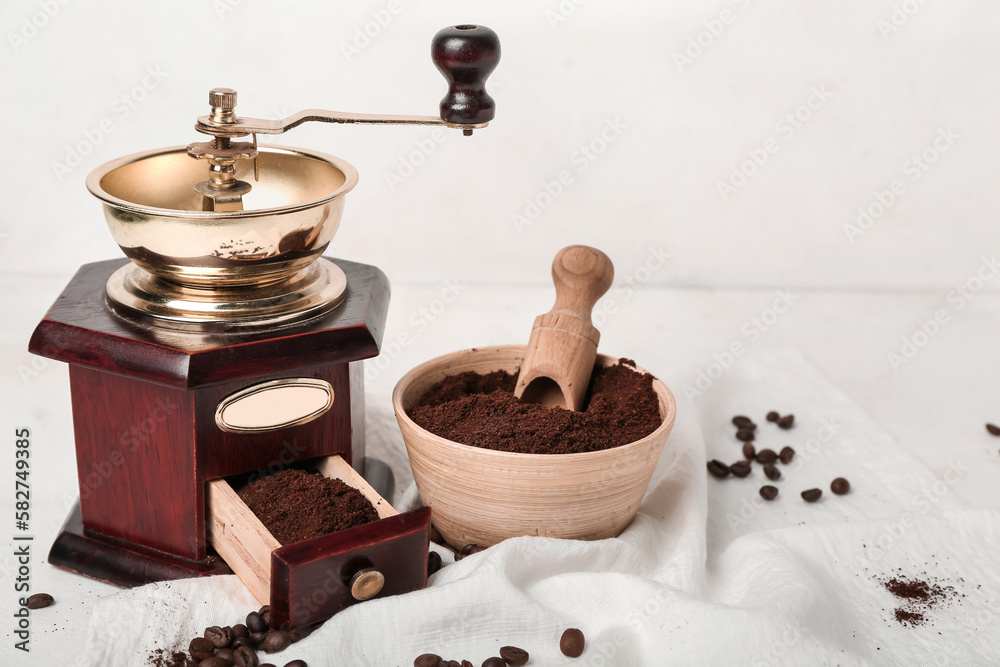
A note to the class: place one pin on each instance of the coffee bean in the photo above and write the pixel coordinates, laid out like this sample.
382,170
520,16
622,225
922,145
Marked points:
772,472
993,429
514,656
468,550
257,637
749,451
294,636
296,663
267,664
786,455
275,641
773,416
811,495
745,435
768,492
433,562
427,660
451,663
786,422
226,654
466,663
240,630
571,643
741,421
254,622
494,662
245,641
245,656
265,616
220,637
766,456
840,486
740,469
214,661
40,601
201,645
718,469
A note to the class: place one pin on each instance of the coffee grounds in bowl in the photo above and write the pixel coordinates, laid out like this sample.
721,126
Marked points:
295,505
481,410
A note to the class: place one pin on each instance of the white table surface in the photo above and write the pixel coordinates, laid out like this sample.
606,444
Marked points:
677,130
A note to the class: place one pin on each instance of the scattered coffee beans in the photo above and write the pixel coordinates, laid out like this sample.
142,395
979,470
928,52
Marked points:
749,451
572,643
244,656
768,492
494,662
773,416
40,601
433,562
840,486
993,429
255,623
468,550
220,637
427,660
786,455
766,456
740,421
772,472
514,656
740,469
811,495
718,469
786,422
745,435
275,641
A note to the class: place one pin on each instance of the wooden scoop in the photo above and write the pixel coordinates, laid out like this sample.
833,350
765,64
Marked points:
563,344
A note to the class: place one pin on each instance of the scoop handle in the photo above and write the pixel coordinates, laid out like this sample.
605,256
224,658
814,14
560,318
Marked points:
581,275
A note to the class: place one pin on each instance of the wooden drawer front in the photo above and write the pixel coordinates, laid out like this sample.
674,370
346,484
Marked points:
310,580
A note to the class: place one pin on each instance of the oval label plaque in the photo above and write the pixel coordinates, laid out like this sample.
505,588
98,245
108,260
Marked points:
274,405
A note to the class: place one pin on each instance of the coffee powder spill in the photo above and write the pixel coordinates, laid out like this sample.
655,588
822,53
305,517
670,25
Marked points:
481,410
918,597
295,505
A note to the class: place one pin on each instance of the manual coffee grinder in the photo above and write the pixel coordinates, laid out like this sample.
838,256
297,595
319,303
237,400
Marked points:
226,344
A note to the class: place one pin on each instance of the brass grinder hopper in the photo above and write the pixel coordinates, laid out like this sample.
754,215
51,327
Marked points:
228,235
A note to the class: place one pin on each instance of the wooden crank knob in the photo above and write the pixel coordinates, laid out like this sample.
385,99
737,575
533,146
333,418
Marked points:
466,55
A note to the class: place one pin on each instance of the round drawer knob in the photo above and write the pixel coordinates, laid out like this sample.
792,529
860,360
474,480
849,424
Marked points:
367,583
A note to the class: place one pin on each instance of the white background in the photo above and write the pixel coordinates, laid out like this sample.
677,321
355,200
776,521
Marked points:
891,82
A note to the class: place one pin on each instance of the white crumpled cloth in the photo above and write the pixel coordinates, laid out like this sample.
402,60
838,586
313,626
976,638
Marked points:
707,574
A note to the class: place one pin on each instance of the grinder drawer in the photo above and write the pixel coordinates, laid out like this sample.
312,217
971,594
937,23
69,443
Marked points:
310,581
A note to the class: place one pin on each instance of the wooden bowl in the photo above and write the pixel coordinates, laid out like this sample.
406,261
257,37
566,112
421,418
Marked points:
482,496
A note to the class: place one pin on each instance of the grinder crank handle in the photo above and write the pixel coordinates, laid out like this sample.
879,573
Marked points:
465,54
